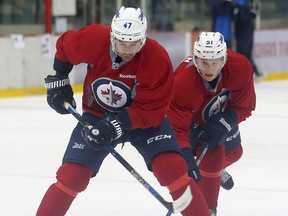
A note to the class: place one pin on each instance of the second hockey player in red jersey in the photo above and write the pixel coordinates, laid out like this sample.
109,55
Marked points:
214,92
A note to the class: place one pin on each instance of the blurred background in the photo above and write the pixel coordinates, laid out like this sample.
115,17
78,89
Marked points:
28,16
29,29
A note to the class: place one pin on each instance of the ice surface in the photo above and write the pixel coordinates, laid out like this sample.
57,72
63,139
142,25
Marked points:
33,139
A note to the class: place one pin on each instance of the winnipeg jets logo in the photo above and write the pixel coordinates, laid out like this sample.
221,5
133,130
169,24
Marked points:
216,104
112,95
221,39
117,15
141,16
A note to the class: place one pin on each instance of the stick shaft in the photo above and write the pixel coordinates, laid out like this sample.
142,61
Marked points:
201,156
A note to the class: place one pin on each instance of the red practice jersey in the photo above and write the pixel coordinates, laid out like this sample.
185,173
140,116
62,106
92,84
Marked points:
142,87
194,100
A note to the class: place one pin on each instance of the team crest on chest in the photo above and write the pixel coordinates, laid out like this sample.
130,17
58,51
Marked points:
111,94
216,104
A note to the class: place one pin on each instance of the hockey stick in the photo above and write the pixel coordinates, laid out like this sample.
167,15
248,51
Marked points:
200,158
176,206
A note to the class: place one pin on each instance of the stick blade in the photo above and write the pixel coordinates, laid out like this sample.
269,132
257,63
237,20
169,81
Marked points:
183,201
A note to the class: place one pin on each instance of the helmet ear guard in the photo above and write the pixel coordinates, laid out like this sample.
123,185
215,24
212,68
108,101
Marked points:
128,24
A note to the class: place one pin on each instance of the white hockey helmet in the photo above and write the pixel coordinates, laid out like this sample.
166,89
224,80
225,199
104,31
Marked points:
128,24
210,45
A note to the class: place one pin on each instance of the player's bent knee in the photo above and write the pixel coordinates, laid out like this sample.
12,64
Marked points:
73,178
234,155
170,169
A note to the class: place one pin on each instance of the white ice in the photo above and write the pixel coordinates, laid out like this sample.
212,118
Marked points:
33,138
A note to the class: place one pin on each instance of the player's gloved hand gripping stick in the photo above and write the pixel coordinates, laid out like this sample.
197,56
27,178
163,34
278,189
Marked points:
176,206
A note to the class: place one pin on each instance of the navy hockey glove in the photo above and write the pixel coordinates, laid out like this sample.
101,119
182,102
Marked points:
59,90
193,170
215,131
106,130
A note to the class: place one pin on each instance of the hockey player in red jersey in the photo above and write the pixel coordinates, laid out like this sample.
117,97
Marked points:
126,94
213,93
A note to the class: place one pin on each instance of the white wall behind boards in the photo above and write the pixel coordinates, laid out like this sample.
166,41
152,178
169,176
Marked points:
26,60
271,50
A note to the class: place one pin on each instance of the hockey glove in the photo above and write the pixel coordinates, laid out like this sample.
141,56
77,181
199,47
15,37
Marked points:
193,170
59,90
106,130
215,131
